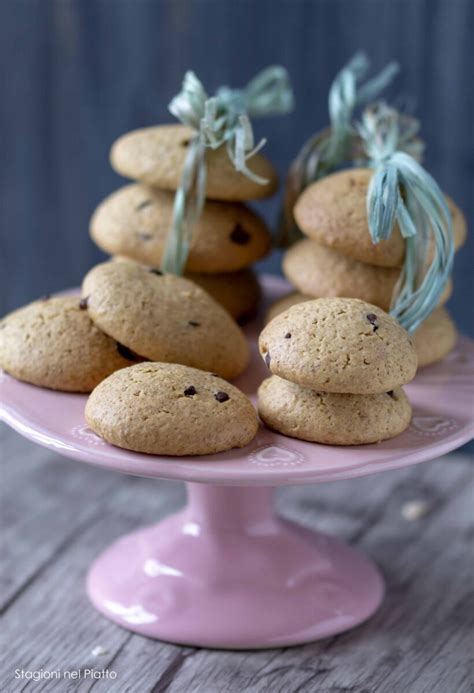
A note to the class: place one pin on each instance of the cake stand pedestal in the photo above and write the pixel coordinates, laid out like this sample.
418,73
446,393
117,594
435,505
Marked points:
226,571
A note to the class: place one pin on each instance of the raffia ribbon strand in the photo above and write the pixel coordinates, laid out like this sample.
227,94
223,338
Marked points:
402,191
222,119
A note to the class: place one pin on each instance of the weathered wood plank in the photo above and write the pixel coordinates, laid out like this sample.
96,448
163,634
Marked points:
418,640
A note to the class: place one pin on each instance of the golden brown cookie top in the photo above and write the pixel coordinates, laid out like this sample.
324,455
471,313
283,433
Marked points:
156,155
322,272
135,221
333,212
164,318
331,418
53,343
169,409
339,345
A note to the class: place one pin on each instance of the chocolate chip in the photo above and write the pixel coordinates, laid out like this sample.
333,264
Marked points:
144,236
190,391
268,359
245,318
221,396
239,235
193,323
127,353
156,271
142,205
185,143
372,318
83,303
288,335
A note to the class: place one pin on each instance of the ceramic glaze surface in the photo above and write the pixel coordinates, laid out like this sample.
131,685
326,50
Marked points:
443,419
225,572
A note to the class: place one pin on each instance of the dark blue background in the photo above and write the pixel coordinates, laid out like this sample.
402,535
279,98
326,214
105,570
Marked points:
76,74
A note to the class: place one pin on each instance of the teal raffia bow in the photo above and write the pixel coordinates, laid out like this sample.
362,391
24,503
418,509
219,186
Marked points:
223,119
402,191
327,150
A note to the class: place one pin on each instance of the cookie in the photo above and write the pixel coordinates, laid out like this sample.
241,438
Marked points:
238,292
169,409
156,155
285,302
435,337
333,212
164,318
322,272
459,227
135,221
53,343
333,419
339,345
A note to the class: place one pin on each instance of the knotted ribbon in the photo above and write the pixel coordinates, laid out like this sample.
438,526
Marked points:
327,150
223,119
401,190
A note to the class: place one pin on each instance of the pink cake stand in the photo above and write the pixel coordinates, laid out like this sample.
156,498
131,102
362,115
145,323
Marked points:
227,572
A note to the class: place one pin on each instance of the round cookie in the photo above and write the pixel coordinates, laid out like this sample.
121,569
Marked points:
135,221
164,318
435,337
156,155
339,345
333,419
324,273
285,302
333,212
238,292
459,227
168,409
53,343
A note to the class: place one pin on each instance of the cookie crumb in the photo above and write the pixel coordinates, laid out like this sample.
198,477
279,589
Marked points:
414,510
99,651
221,396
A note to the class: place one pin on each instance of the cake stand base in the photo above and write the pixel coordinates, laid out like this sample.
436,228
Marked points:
226,572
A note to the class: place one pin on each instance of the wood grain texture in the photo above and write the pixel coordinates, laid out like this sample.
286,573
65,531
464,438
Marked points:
57,515
78,74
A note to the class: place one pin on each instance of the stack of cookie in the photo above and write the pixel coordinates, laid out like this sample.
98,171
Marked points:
133,223
337,367
338,257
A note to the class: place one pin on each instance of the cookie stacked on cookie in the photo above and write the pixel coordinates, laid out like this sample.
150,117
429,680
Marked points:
228,237
338,366
338,258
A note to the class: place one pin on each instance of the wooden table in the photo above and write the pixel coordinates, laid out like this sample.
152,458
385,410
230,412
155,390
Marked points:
57,515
